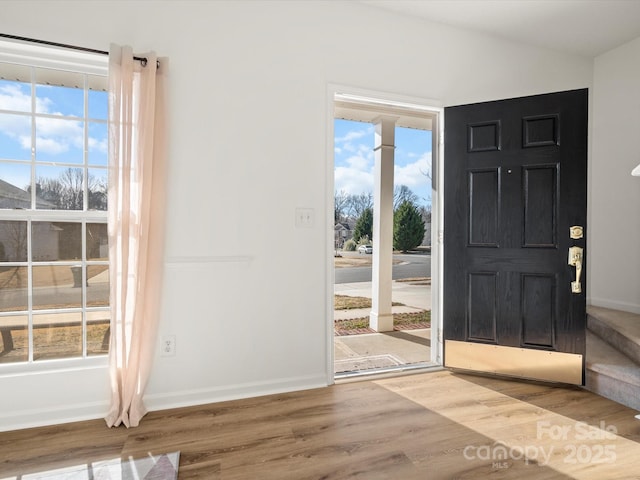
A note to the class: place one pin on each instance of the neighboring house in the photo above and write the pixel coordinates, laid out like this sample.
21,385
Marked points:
46,241
14,241
426,241
12,197
342,233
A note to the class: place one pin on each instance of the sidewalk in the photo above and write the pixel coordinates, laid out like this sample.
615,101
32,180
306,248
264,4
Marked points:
414,297
383,350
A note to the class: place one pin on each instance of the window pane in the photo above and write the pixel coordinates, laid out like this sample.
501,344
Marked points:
97,241
57,286
14,186
98,333
13,242
47,145
98,103
97,285
15,338
15,137
97,186
98,143
59,188
59,140
52,241
13,289
53,98
57,335
15,88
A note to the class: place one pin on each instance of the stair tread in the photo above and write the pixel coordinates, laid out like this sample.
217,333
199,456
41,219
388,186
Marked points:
605,359
625,323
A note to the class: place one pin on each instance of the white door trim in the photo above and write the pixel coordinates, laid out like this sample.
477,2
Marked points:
374,102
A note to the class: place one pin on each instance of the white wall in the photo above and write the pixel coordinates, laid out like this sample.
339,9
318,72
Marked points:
614,240
245,291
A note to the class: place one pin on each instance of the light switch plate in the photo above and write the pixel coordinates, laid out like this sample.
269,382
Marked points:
304,217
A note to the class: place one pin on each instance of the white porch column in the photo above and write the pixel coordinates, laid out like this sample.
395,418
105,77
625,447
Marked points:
381,318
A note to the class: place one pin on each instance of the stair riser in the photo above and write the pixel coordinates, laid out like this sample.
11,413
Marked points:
613,389
614,338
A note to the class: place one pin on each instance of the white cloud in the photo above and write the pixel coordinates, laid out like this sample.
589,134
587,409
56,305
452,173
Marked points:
51,146
17,127
13,98
54,136
98,145
353,181
353,135
358,163
346,142
414,175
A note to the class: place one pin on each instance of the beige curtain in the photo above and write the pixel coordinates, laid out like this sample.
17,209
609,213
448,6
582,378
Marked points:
136,226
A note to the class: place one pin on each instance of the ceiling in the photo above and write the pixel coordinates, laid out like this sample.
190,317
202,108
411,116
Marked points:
582,27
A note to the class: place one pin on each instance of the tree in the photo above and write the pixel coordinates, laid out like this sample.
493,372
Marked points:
340,203
364,225
408,227
67,191
97,190
402,193
425,213
359,203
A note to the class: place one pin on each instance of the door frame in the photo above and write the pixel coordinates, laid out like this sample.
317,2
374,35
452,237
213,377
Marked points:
434,110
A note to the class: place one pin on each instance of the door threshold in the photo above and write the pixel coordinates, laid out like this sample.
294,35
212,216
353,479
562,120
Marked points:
377,373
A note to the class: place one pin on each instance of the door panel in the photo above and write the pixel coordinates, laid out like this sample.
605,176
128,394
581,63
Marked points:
515,183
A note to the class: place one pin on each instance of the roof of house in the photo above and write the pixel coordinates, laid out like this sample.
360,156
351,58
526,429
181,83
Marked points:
12,197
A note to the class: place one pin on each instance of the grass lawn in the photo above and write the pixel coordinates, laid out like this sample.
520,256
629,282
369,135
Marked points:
401,321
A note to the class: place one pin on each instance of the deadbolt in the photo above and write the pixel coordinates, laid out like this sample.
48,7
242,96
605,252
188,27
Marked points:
575,232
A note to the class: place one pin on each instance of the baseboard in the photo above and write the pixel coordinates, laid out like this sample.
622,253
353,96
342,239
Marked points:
21,419
189,398
624,306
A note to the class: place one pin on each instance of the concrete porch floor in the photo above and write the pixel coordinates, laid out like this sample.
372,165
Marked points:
381,351
357,353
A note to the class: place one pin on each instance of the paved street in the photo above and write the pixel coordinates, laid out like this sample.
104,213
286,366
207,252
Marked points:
410,265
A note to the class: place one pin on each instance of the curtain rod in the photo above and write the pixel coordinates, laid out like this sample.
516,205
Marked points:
142,60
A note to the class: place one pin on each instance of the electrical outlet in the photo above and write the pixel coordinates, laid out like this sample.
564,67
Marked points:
168,347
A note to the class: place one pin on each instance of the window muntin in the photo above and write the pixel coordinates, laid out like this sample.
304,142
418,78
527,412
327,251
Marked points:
54,272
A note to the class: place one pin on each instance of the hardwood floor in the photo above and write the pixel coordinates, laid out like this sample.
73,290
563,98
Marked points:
436,425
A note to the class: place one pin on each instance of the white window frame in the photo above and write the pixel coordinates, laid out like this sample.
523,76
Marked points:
73,62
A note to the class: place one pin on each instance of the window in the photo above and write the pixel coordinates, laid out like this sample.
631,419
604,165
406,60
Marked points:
54,269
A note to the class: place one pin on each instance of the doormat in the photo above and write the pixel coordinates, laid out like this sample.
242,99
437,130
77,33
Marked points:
152,467
367,362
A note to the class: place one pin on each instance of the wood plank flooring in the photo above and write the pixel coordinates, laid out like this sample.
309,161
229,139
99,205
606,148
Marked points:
438,425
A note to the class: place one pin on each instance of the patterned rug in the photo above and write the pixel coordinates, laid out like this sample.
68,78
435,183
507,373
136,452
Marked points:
153,467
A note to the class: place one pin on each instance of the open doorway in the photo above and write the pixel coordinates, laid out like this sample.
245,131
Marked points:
363,239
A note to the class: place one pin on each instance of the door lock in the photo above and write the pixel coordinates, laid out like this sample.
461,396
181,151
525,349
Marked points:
575,260
575,232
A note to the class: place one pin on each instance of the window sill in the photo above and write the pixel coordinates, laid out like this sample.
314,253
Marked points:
53,366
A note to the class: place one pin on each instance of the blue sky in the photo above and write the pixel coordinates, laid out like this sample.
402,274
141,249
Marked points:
354,157
59,141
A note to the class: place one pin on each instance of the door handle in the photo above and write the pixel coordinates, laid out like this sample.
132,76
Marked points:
575,260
